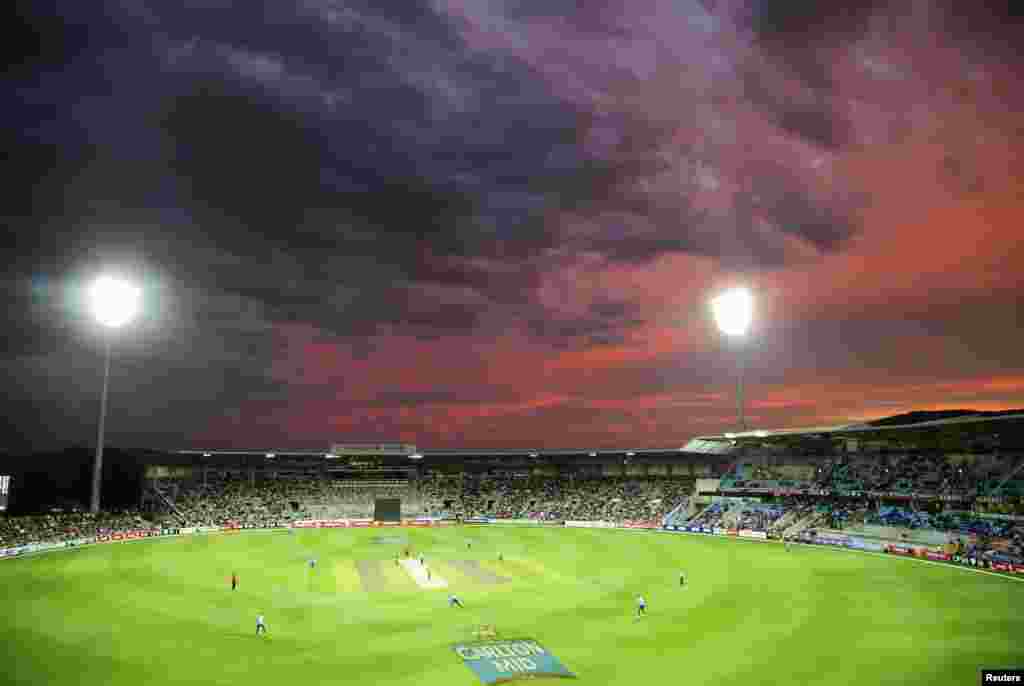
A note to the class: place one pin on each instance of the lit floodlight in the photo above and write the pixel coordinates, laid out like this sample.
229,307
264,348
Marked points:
416,456
206,454
114,301
630,454
593,454
733,311
271,456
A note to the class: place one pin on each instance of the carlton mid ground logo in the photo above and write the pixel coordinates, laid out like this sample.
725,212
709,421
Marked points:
507,659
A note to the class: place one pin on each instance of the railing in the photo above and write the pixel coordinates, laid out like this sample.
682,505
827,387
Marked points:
167,501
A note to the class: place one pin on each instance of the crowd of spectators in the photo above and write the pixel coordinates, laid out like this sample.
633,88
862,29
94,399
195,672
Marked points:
639,499
56,527
217,502
937,473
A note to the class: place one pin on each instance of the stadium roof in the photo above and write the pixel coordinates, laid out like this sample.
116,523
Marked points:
525,452
956,422
983,421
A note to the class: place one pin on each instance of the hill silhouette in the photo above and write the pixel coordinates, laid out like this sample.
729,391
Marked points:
931,416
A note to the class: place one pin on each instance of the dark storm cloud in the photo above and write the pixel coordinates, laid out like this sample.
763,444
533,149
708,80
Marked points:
294,157
364,146
442,396
592,18
775,192
993,28
811,116
784,21
604,323
798,33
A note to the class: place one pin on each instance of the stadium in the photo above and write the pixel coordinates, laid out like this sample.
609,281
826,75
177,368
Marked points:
455,342
888,552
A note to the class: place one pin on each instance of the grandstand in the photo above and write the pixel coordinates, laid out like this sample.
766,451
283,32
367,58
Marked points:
929,481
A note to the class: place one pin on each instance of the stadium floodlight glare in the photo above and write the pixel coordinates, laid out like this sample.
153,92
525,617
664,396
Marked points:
114,302
733,310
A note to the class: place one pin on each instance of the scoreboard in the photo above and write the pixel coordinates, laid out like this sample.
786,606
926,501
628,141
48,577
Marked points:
5,491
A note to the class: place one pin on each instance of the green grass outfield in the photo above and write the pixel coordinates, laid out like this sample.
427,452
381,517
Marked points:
161,612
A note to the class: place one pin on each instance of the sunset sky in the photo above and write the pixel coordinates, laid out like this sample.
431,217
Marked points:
498,223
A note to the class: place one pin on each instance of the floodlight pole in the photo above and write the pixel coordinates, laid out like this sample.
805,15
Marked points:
97,467
741,354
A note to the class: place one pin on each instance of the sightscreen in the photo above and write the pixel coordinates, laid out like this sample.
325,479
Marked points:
5,491
388,510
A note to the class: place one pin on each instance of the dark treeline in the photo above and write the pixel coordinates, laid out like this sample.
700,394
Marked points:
63,479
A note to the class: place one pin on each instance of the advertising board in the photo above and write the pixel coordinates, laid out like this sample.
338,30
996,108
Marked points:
749,533
496,661
524,522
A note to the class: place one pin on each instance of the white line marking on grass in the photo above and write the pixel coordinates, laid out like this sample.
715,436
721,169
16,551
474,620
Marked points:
890,556
887,556
418,573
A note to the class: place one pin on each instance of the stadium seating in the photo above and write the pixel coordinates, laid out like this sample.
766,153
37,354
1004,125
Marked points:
658,500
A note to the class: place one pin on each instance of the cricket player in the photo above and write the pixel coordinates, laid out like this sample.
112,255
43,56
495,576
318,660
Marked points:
641,606
682,579
453,601
234,581
421,561
261,626
312,563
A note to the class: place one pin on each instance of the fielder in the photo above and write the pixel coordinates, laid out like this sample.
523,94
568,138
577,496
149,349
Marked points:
261,626
641,606
453,601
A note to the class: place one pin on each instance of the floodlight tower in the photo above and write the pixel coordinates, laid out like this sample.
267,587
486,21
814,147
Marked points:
733,311
114,302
